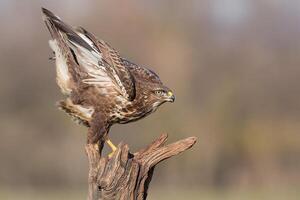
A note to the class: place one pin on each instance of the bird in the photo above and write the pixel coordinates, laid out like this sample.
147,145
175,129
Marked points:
101,88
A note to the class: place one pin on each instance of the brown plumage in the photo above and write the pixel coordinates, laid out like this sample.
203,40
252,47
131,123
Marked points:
101,87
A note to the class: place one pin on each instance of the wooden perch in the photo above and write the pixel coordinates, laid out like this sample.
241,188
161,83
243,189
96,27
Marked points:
127,176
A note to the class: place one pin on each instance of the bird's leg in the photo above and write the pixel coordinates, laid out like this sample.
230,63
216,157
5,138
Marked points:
112,146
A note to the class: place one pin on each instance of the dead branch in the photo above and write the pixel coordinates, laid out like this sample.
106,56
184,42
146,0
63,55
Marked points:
127,176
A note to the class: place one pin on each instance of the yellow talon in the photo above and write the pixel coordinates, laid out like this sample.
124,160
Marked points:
112,146
111,154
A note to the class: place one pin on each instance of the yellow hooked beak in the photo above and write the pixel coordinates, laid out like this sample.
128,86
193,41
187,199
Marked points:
171,96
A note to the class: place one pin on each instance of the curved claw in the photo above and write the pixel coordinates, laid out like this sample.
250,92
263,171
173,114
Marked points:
111,154
112,146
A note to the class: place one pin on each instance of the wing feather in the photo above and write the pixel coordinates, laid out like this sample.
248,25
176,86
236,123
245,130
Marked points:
111,58
93,61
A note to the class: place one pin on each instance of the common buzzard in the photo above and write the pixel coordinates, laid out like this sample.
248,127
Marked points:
100,86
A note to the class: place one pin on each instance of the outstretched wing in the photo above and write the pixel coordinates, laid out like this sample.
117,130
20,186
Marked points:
86,60
112,58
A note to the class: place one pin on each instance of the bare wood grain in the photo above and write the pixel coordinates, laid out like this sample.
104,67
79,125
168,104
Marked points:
127,176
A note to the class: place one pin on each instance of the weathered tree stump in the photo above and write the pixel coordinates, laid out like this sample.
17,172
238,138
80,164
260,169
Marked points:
127,176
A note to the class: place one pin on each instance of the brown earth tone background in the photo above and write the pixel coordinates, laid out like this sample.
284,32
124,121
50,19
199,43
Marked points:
234,66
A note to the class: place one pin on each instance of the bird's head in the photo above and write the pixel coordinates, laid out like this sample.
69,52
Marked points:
158,94
153,92
163,94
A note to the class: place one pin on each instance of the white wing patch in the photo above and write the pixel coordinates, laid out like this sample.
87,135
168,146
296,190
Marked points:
87,40
62,72
91,62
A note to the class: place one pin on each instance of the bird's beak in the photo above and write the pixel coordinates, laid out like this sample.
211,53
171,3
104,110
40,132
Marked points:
171,97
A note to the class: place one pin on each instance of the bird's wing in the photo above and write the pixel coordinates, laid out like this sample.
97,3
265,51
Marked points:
112,58
67,76
142,73
91,64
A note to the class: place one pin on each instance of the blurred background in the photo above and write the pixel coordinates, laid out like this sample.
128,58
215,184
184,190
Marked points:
234,66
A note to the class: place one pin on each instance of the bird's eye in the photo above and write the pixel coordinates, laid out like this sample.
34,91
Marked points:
158,92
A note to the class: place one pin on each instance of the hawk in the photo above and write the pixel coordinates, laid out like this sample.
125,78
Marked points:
101,87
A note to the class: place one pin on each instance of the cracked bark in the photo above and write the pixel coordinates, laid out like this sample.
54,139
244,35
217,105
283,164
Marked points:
126,176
